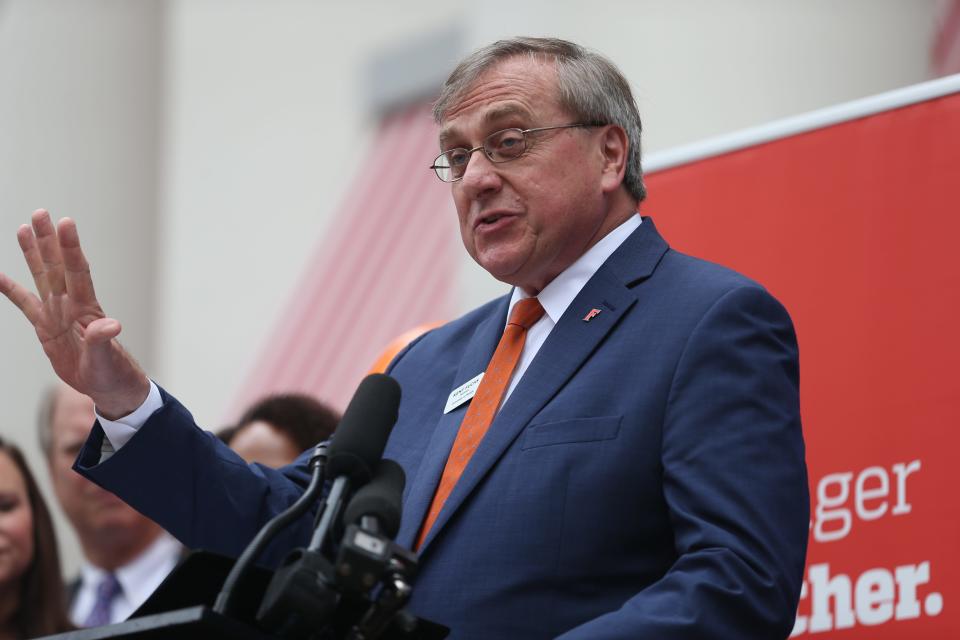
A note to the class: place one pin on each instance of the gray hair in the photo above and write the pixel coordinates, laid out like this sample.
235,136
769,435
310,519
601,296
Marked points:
48,404
590,86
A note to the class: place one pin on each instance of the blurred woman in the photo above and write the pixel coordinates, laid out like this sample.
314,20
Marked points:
31,588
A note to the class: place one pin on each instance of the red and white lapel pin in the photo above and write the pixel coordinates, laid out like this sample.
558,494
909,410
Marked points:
593,313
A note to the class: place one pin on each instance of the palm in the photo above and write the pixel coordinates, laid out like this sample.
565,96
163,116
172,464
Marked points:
76,335
60,328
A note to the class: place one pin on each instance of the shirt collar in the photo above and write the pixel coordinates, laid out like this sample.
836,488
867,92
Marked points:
561,291
134,575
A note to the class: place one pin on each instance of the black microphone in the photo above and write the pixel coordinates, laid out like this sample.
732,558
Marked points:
377,506
372,519
360,438
357,445
302,597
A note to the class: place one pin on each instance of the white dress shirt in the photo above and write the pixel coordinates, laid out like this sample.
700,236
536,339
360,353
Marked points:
555,298
138,579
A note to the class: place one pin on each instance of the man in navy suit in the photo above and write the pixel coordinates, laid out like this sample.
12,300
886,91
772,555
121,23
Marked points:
644,474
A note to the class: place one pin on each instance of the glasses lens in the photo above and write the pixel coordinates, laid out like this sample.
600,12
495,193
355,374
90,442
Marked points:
442,166
450,165
508,144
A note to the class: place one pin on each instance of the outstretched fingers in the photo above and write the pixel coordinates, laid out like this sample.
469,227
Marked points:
78,280
49,245
31,253
28,303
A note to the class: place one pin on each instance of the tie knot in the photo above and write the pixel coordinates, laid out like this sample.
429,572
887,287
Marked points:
526,313
109,588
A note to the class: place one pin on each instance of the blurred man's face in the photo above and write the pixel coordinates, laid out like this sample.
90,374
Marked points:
260,442
92,511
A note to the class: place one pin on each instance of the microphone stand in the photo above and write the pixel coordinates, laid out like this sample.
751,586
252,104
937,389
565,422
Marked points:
225,598
335,500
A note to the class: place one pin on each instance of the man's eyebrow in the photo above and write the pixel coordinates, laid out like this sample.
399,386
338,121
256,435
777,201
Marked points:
445,135
504,111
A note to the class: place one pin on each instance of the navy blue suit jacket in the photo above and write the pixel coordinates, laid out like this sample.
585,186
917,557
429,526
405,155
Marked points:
646,478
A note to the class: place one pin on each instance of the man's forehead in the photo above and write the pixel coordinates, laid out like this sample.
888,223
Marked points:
515,87
71,409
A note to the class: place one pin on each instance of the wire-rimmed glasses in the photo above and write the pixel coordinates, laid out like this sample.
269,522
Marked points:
500,146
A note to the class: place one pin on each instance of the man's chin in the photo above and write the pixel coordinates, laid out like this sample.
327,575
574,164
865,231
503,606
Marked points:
504,269
113,516
516,278
114,527
104,501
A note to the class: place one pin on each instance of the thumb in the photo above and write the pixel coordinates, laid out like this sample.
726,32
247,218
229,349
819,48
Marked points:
101,330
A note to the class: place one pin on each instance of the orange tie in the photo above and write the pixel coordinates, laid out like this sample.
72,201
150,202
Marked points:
483,407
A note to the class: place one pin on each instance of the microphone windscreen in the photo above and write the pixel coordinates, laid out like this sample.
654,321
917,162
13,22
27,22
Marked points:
361,436
382,498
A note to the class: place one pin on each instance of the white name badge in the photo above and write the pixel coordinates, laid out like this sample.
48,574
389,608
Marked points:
463,393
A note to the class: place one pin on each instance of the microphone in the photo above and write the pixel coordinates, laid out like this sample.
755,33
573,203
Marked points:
359,440
303,595
372,519
376,507
358,445
368,556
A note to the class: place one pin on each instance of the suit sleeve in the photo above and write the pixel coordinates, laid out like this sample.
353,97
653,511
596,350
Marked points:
734,481
195,486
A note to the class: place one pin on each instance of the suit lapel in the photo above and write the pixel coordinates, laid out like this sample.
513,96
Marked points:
476,357
569,345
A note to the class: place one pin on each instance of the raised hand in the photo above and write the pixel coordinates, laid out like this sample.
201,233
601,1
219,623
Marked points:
77,336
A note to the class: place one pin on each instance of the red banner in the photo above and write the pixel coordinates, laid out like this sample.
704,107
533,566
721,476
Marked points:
855,227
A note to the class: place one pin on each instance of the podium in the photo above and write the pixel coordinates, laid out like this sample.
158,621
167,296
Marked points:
192,623
182,608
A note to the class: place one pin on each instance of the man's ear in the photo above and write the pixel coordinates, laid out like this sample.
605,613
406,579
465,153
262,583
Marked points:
613,147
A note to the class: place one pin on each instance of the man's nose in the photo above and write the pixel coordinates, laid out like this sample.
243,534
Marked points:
480,177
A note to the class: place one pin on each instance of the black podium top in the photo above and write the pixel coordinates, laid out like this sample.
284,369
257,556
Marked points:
193,623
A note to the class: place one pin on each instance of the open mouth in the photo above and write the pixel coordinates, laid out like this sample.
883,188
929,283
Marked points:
492,219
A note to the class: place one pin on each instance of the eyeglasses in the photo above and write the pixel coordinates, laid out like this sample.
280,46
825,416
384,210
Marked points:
500,146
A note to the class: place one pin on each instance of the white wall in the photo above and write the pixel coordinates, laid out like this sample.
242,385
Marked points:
262,113
79,88
266,126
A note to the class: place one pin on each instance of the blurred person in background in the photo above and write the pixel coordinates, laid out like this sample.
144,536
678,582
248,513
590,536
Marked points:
126,555
31,588
278,428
